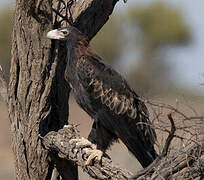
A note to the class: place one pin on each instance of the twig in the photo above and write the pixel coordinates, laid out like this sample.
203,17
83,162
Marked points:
167,106
63,17
162,168
189,158
147,170
68,9
170,136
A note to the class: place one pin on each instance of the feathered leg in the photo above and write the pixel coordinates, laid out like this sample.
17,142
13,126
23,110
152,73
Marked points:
100,136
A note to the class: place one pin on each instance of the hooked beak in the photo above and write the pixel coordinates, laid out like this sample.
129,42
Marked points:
55,34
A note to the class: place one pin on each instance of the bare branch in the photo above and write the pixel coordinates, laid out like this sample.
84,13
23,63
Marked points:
59,143
170,137
166,106
188,160
58,13
184,163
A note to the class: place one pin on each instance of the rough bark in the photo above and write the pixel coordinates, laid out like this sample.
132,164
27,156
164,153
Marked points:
188,164
38,94
184,165
38,102
3,87
58,142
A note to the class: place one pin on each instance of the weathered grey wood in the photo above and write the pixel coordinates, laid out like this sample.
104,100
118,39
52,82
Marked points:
59,142
38,94
3,87
29,85
181,165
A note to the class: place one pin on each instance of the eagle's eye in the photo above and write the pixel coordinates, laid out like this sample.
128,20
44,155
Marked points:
65,32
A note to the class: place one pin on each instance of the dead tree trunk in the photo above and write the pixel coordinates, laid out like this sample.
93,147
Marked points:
38,94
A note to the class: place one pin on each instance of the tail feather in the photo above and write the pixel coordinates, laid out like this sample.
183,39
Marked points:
143,150
135,146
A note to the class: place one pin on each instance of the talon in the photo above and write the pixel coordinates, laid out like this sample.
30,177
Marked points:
80,143
92,155
68,126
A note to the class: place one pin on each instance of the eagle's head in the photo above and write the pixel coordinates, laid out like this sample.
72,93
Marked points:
62,33
70,34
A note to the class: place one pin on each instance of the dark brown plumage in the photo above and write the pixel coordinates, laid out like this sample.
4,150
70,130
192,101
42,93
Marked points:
105,95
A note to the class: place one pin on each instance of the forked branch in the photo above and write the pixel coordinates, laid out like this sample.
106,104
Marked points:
179,165
170,136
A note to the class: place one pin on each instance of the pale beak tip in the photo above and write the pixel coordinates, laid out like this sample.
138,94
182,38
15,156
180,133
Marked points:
54,34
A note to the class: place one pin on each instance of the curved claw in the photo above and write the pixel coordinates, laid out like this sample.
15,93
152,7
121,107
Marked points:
92,155
81,143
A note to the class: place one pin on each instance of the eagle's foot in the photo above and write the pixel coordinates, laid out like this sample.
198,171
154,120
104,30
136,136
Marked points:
92,153
81,143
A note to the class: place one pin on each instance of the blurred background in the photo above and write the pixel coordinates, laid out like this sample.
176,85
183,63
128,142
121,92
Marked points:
157,45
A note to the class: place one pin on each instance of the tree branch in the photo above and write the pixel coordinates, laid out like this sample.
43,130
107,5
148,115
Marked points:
170,136
100,10
175,166
58,142
184,165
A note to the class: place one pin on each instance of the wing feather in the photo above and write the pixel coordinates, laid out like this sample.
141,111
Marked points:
108,86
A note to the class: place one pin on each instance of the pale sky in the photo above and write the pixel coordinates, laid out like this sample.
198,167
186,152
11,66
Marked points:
187,61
